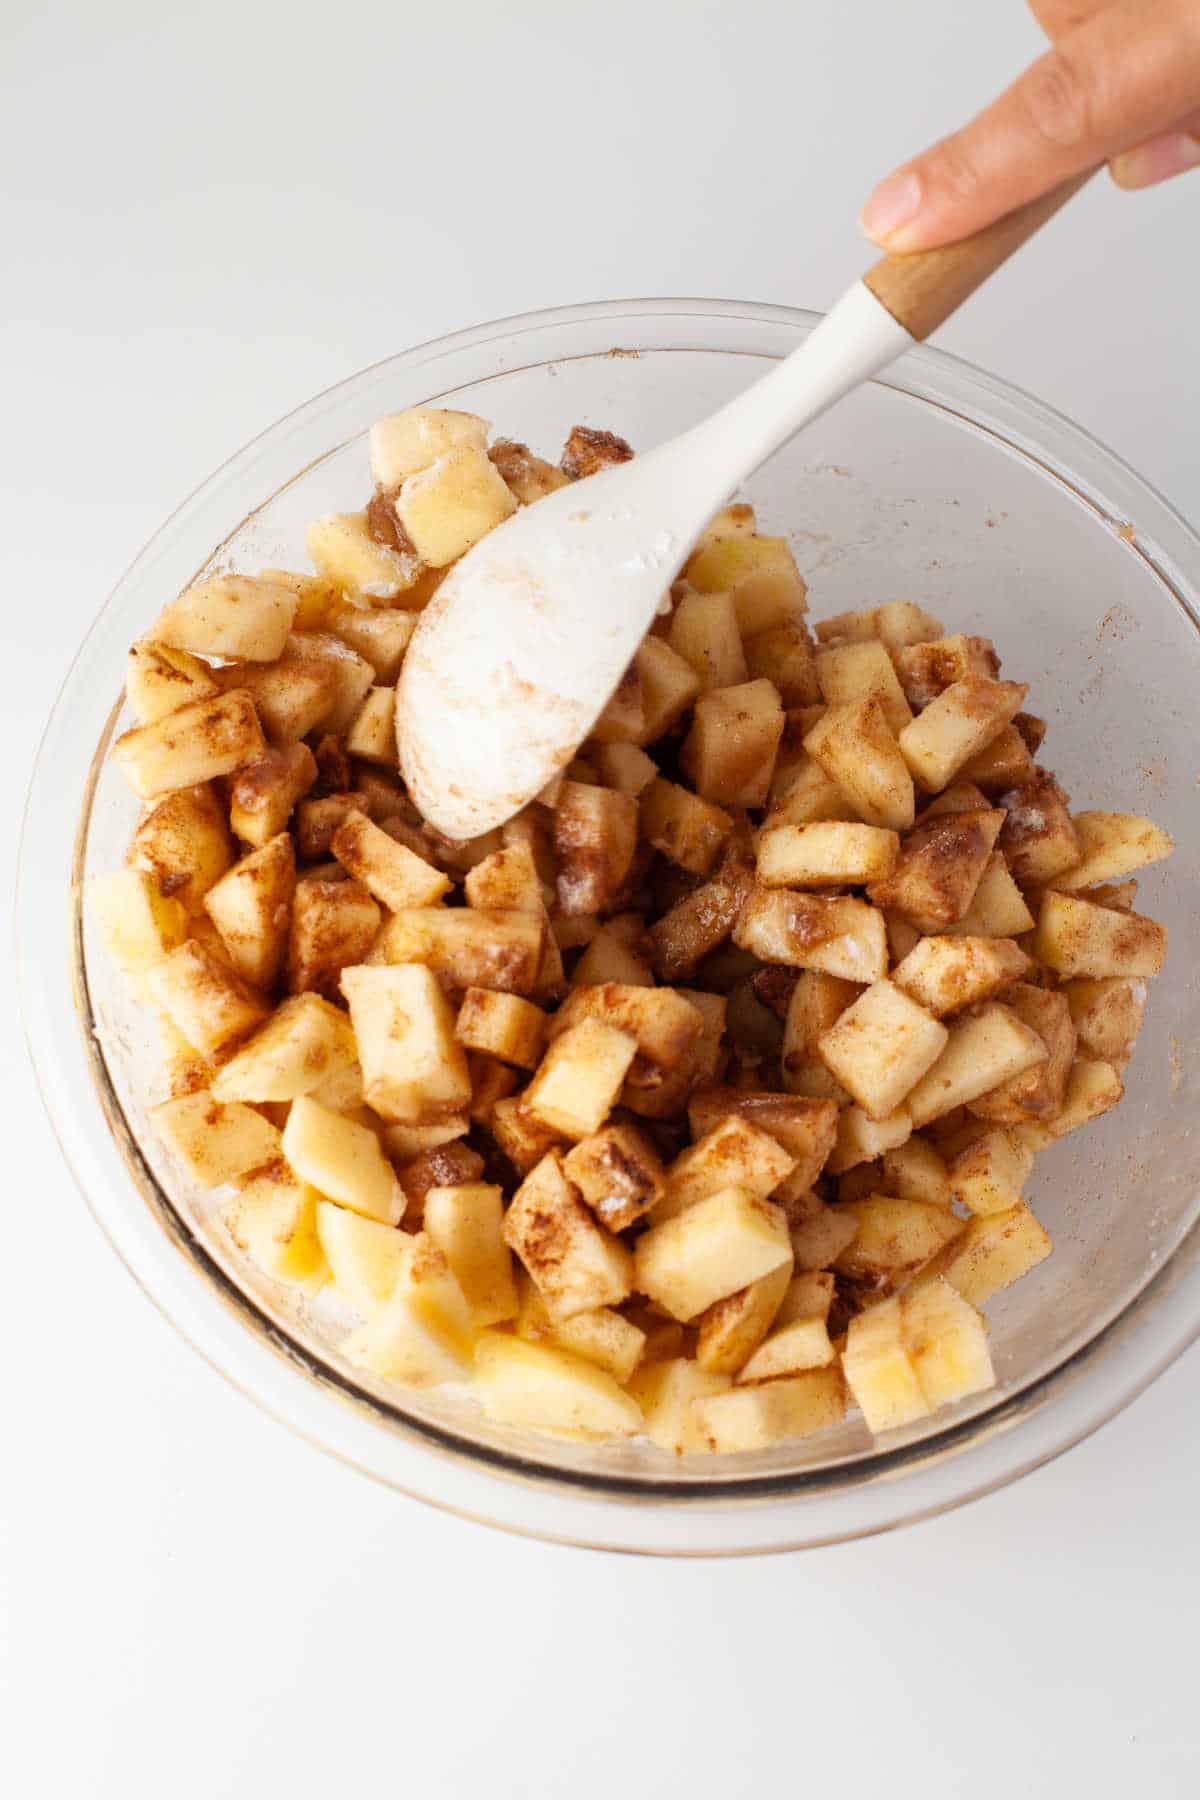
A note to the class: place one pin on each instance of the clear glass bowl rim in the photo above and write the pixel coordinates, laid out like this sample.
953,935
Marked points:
746,1515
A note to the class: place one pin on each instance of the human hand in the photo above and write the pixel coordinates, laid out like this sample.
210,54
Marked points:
1121,85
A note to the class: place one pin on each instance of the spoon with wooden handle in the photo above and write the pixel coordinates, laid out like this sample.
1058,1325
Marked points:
521,647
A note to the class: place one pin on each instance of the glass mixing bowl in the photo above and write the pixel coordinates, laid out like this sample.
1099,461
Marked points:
935,483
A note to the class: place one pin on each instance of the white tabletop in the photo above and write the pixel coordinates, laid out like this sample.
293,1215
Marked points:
213,212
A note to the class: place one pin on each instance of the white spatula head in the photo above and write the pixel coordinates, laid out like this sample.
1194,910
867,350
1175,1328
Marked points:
522,645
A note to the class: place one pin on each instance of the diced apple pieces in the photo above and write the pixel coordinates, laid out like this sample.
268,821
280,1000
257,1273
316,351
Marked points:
197,742
858,750
580,1077
914,1170
528,477
214,1143
380,635
542,1388
138,922
989,1176
819,1238
804,1127
960,796
450,504
184,843
667,1391
881,1046
733,1153
1038,840
803,794
251,908
1076,937
158,680
343,549
946,974
991,1253
850,672
595,835
262,794
927,669
704,631
860,1138
784,656
208,1004
731,1329
825,854
466,1224
669,686
1005,763
799,1339
687,830
665,1025
998,909
894,1236
623,720
698,924
1038,1093
840,935
772,1412
522,1137
364,1257
292,697
723,561
349,676
333,926
601,1336
895,624
413,1070
404,442
626,768
940,866
817,1001
422,1334
619,1174
729,754
501,1025
608,959
879,1370
304,1043
575,1264
372,731
946,1341
984,1049
1112,845
316,596
394,874
468,947
714,1248
955,726
1092,1088
231,616
343,1160
273,1218
1107,1013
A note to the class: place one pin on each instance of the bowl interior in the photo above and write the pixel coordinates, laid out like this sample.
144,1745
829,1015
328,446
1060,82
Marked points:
935,485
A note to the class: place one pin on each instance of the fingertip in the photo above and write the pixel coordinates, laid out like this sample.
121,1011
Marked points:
1158,159
891,210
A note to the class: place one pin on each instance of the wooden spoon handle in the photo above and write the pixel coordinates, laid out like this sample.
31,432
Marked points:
923,288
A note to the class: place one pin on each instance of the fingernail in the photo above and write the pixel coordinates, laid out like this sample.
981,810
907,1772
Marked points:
893,205
1157,160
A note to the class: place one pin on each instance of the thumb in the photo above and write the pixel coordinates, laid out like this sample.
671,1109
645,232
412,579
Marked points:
1127,75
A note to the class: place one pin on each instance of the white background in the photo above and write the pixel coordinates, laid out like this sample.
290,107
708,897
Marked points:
211,213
